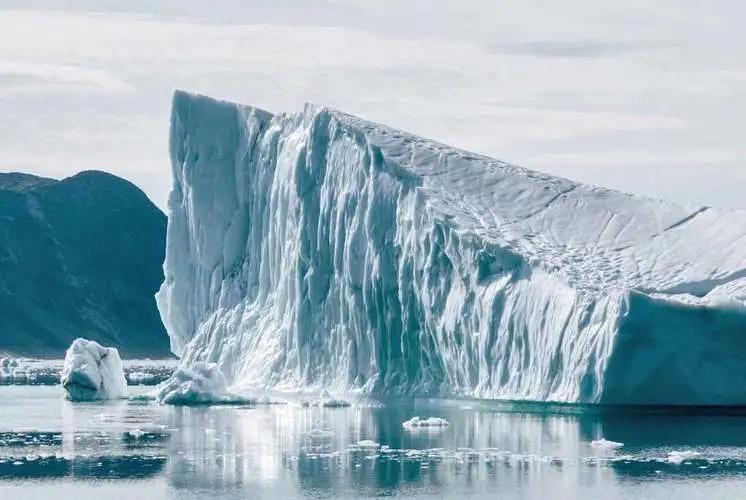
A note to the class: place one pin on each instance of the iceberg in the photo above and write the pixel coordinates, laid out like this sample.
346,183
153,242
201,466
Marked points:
316,250
92,372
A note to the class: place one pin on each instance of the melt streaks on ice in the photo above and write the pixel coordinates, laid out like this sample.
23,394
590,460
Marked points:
317,250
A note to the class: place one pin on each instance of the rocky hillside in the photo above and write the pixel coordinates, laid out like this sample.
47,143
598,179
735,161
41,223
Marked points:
80,257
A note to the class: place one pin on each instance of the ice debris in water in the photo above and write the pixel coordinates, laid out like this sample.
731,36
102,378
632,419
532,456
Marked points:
417,422
199,384
12,369
320,434
677,457
92,372
604,443
367,443
326,400
7,365
140,378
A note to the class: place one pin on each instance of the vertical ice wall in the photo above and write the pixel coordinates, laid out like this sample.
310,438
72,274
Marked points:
319,250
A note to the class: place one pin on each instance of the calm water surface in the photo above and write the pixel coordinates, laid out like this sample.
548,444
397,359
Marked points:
52,448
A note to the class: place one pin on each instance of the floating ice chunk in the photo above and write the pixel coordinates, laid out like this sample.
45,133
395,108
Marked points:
327,401
13,370
140,378
432,422
676,457
200,384
92,372
136,433
320,434
606,444
367,443
7,365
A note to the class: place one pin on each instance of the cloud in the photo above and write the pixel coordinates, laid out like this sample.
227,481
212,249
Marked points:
581,48
580,78
25,76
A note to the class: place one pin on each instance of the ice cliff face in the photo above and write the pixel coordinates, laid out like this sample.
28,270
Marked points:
316,249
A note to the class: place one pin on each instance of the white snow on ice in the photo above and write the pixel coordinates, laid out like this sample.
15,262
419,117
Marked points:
317,250
92,372
199,384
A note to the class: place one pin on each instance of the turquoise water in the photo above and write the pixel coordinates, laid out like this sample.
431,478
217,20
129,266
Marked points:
52,448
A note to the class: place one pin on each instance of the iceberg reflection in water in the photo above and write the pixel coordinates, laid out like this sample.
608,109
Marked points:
49,446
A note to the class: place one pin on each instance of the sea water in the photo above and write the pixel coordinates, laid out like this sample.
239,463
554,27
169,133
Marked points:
54,448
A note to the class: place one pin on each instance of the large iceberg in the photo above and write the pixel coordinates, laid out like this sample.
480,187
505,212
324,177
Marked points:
318,250
92,372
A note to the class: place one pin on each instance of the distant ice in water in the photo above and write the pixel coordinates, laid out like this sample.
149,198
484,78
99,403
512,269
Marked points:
92,372
604,443
326,400
320,434
140,378
367,443
677,457
417,423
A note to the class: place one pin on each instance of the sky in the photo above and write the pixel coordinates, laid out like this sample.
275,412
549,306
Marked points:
645,97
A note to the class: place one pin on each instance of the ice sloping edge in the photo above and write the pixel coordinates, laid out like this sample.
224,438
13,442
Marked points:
316,250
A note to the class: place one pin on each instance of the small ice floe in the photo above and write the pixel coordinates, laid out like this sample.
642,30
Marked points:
606,444
140,378
677,457
12,370
92,372
367,443
327,401
420,423
199,384
7,365
136,433
320,434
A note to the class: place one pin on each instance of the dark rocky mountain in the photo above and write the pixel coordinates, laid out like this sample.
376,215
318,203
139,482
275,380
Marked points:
79,257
